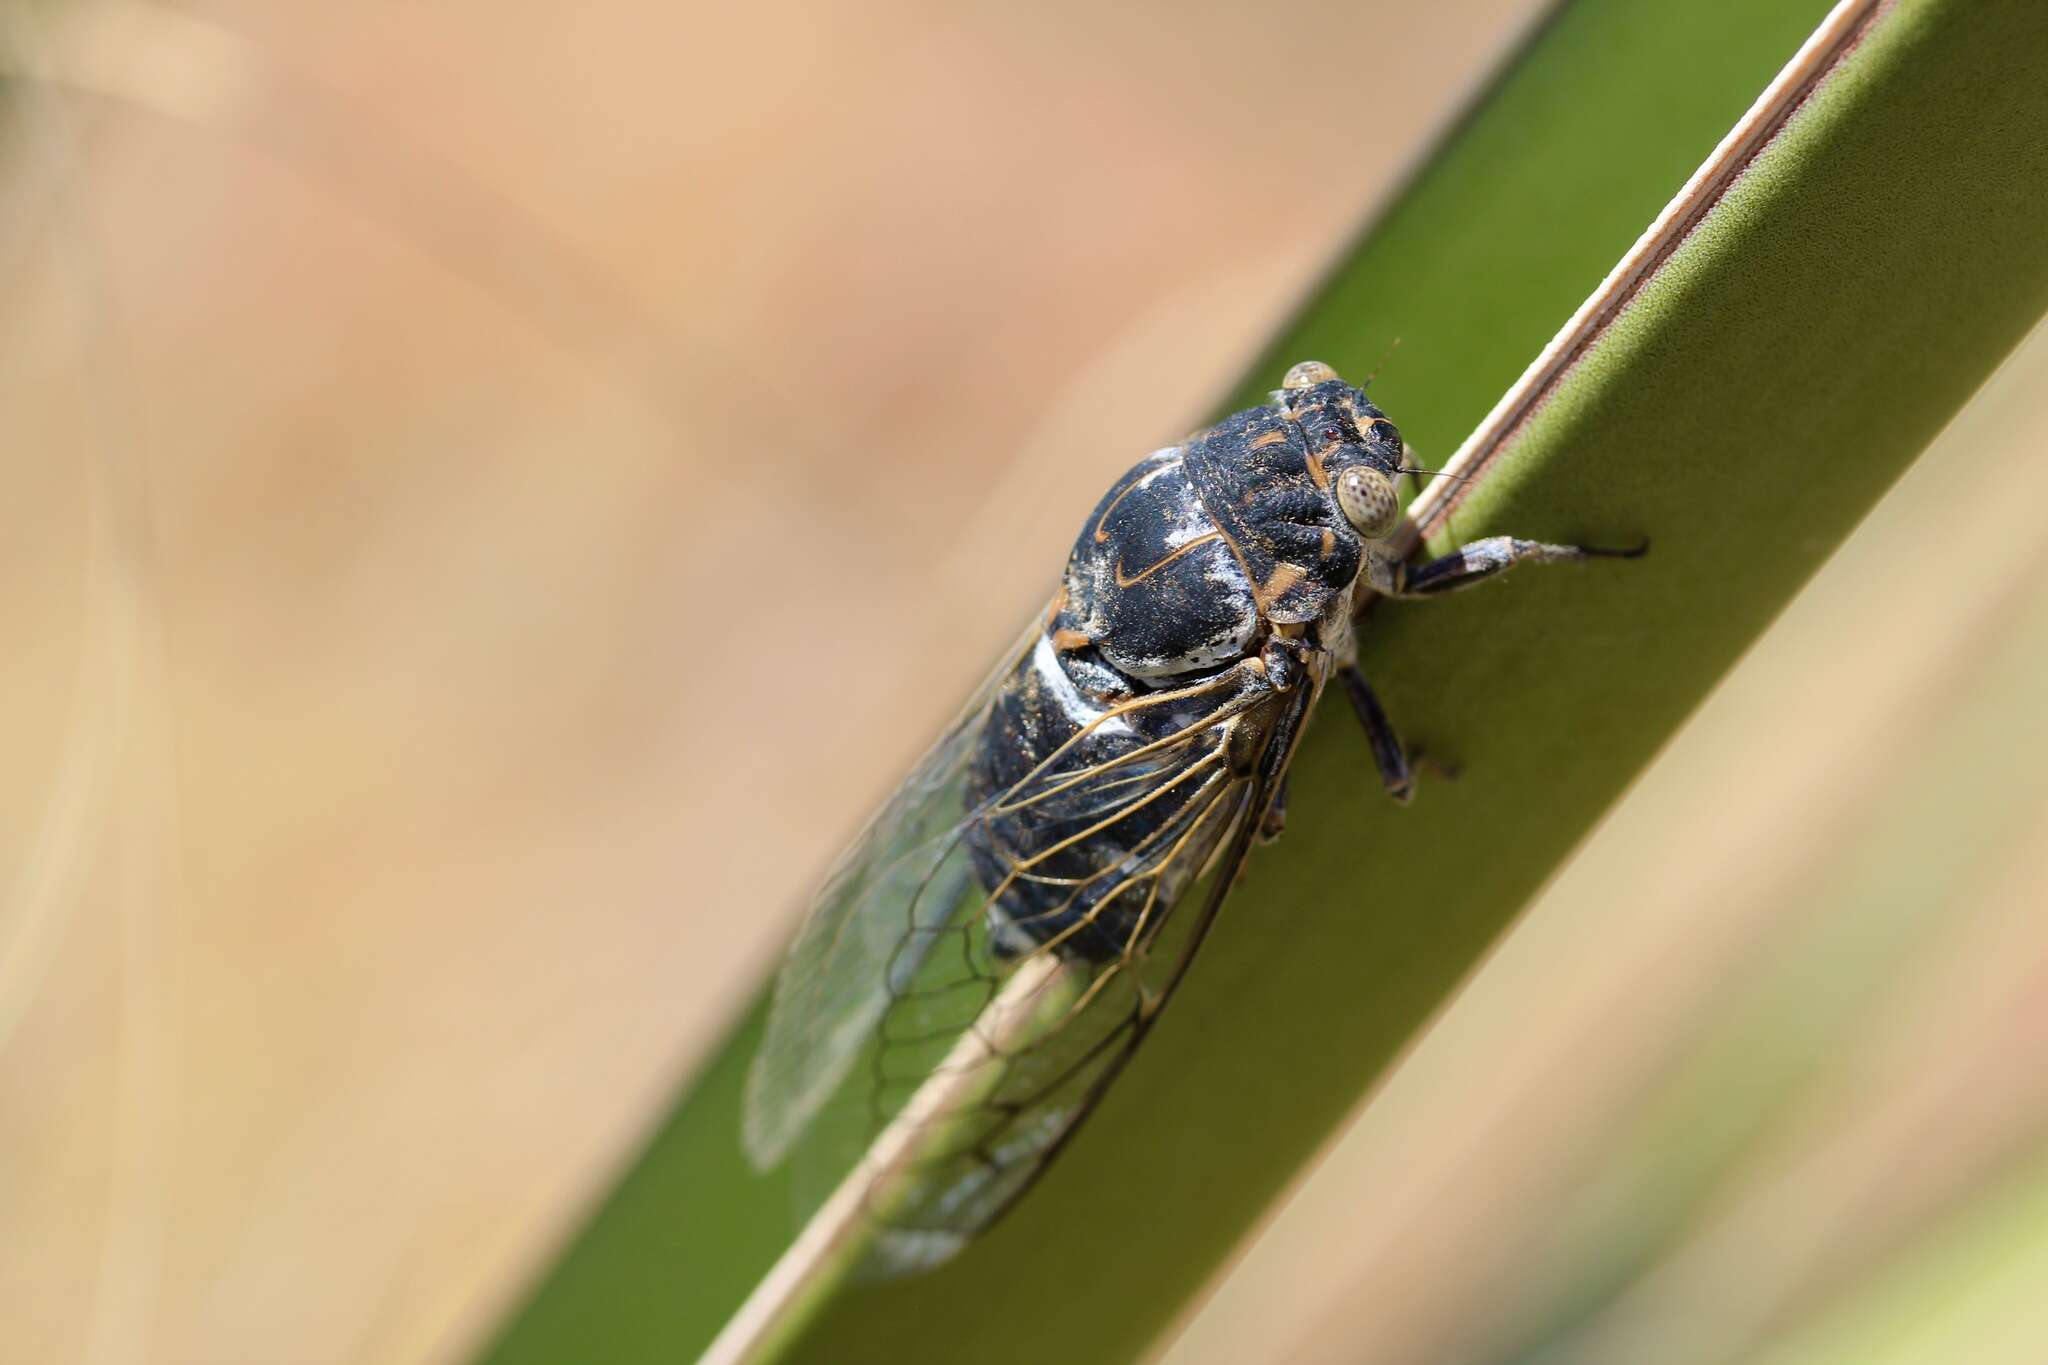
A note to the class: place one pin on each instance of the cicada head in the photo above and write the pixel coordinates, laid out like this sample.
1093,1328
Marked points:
1353,452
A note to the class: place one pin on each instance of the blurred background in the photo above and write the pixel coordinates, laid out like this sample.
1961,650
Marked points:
466,465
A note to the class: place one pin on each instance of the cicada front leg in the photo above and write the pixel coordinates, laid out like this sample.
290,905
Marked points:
1477,562
1461,568
1286,663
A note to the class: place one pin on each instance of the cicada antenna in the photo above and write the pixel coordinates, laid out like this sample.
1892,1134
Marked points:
1381,363
1437,473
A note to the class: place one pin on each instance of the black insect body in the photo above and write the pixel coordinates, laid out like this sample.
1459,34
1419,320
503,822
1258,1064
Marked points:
1139,738
1205,570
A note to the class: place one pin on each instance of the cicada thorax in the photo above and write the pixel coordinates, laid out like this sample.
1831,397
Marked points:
1105,777
1266,475
1153,586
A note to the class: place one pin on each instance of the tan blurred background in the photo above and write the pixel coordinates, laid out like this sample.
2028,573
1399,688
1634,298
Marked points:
450,452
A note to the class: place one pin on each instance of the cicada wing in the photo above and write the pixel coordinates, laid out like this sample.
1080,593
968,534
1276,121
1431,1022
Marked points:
981,1156
894,893
994,1147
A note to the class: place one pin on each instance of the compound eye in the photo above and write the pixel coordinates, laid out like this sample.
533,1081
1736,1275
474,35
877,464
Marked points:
1307,375
1368,501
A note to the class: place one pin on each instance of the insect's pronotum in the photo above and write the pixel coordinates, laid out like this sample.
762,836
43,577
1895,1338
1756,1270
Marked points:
1136,741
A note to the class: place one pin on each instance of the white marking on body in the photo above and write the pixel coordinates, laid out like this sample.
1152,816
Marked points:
1045,661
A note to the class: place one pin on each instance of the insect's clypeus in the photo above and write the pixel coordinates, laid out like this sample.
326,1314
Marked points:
1133,747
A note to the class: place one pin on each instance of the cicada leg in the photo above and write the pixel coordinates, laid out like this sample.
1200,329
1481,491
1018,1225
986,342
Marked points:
1388,755
1275,821
1461,568
1479,561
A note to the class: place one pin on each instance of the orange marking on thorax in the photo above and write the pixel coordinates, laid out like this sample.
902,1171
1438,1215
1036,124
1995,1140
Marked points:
1102,521
1143,574
1284,577
1320,475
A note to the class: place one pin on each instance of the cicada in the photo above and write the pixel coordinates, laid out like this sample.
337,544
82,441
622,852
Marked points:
1123,760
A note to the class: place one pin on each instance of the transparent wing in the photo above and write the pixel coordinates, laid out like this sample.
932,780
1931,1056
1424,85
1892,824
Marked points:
988,1146
903,881
890,983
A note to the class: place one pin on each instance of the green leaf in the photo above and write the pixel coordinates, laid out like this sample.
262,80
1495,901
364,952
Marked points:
1771,1017
1767,384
